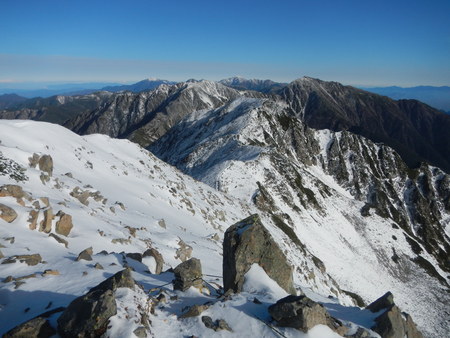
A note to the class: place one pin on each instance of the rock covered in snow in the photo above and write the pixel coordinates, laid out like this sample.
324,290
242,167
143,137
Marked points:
248,242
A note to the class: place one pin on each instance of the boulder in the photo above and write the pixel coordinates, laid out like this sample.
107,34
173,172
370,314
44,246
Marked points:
59,239
86,254
46,223
248,242
32,218
135,255
392,323
64,225
7,214
302,313
218,325
38,327
187,274
152,252
195,310
31,260
46,164
16,191
88,315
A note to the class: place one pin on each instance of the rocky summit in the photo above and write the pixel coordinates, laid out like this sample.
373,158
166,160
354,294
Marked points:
240,208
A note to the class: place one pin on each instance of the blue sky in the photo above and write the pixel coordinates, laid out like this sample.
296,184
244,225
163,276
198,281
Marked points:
361,42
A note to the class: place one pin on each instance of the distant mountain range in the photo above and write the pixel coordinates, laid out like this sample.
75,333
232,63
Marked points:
437,97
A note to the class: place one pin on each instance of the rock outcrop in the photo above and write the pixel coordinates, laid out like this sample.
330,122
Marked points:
392,323
86,254
152,252
187,274
64,225
7,214
88,315
248,242
303,314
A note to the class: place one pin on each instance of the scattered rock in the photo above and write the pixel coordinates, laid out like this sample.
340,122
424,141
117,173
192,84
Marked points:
32,218
7,214
140,332
184,252
218,325
187,274
301,313
16,191
152,252
248,242
194,311
59,239
135,255
120,204
46,223
88,315
98,266
123,241
162,223
80,195
38,327
46,164
64,225
8,279
34,160
31,260
86,254
392,323
49,272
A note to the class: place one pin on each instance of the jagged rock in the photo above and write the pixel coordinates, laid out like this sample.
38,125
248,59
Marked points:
248,242
218,325
194,311
152,252
46,164
34,160
59,239
64,225
38,327
135,255
88,315
184,252
86,254
32,218
50,272
31,260
80,195
16,191
392,323
46,223
301,313
187,274
7,214
98,266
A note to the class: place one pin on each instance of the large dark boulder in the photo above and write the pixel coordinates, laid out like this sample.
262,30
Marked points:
303,314
88,315
38,327
187,274
392,323
248,242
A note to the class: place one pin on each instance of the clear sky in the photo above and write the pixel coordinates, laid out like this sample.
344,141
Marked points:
362,42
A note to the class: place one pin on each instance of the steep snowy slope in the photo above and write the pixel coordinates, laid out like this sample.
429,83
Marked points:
376,225
121,200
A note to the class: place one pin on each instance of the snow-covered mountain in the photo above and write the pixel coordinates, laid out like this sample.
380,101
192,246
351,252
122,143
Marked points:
375,224
122,200
263,86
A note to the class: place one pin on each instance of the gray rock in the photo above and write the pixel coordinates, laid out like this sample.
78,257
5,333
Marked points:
140,332
38,327
86,254
46,164
301,313
64,225
248,242
7,214
187,274
152,252
218,325
392,323
184,252
88,315
195,310
135,255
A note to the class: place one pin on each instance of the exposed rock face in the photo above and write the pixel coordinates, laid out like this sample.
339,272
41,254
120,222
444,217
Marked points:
302,313
88,315
86,254
392,323
187,274
7,214
152,252
38,327
248,242
64,225
46,164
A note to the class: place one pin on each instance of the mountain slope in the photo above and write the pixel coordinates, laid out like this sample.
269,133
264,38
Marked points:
263,86
145,117
335,192
412,128
123,200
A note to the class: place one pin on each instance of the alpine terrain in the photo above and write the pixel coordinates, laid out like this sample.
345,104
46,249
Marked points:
240,208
